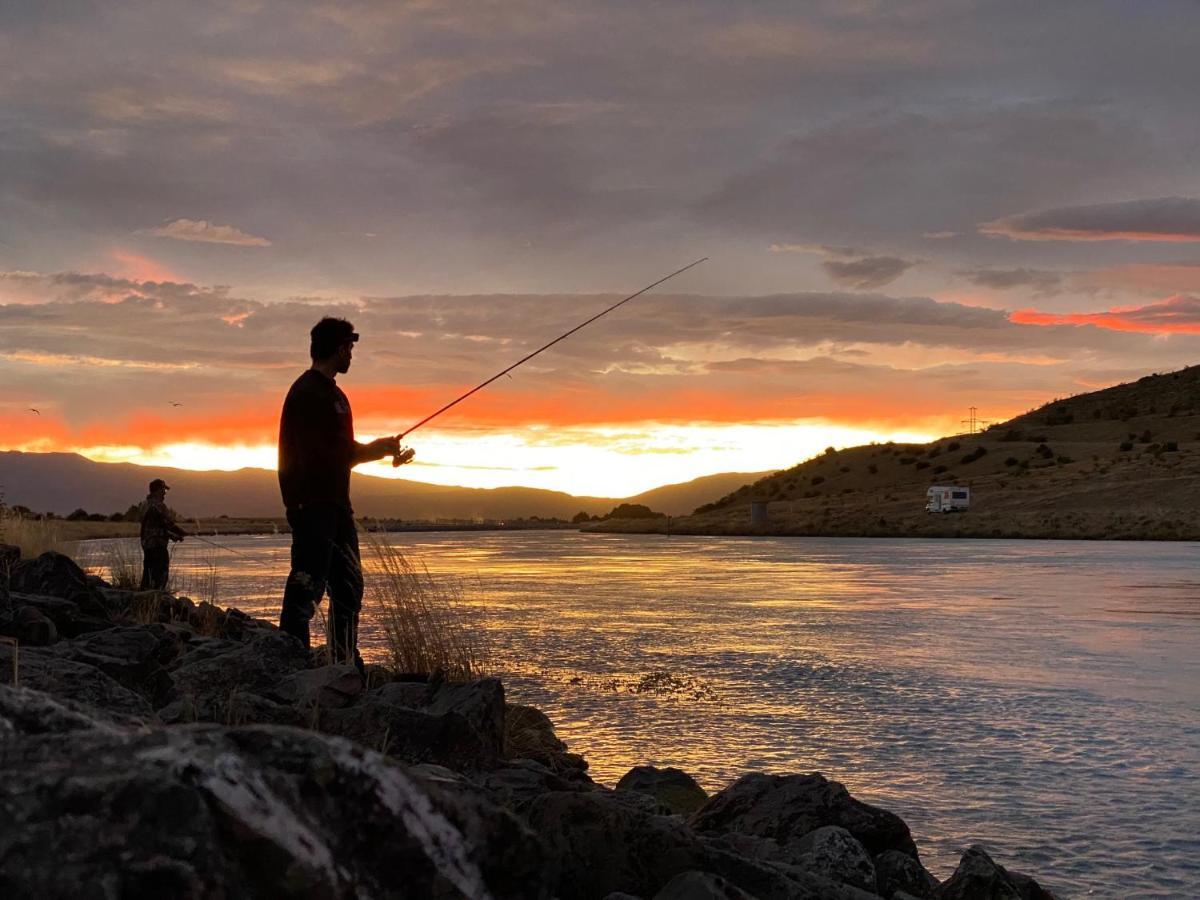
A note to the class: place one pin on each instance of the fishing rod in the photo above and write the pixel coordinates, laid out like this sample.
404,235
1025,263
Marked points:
201,537
405,455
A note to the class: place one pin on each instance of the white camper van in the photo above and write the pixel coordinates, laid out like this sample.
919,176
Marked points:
947,498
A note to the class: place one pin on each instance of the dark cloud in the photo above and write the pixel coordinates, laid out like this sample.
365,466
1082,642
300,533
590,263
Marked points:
1042,282
866,273
1173,219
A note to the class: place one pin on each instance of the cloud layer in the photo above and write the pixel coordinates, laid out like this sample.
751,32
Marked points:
1173,219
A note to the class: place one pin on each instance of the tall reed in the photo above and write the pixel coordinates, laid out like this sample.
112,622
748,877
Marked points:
424,628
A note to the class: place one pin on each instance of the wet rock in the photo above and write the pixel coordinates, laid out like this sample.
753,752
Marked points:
787,807
979,877
52,574
28,625
832,852
40,669
255,812
896,871
603,846
673,788
327,687
529,734
700,886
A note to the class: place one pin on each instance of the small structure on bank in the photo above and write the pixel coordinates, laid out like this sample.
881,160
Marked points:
947,498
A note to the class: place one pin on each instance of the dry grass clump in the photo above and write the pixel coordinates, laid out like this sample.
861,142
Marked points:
33,536
422,622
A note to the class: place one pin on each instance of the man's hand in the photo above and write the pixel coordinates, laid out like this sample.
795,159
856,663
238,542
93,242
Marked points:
404,456
385,446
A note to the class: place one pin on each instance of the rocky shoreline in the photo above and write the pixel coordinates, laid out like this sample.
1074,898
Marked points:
153,747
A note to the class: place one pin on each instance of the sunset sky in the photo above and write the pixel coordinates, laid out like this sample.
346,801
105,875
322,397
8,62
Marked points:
911,208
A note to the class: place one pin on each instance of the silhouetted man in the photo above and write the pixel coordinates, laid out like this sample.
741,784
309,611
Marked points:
317,450
158,530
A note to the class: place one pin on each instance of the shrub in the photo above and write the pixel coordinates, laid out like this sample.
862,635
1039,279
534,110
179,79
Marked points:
1063,460
938,470
907,460
844,469
1044,451
873,469
1011,461
975,454
952,446
1125,446
817,479
1171,446
922,465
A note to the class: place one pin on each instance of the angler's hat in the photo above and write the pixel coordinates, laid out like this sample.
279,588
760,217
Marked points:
329,334
159,483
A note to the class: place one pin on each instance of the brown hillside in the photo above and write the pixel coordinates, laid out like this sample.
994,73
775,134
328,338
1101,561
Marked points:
1123,462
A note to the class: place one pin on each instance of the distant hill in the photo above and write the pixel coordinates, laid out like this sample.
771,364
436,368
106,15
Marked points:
1123,462
62,482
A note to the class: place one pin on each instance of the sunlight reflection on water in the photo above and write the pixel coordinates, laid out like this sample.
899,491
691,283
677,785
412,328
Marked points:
1038,697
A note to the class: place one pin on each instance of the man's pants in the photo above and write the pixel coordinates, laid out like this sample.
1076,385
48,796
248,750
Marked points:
324,554
156,564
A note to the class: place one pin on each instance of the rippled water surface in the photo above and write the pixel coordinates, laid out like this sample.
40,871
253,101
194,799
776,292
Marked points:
1041,698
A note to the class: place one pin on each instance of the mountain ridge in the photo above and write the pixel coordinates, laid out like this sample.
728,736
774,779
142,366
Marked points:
62,482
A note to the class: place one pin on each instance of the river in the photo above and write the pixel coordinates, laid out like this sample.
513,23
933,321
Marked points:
1041,698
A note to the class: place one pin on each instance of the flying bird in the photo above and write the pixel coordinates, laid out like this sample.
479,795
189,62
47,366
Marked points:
35,411
175,403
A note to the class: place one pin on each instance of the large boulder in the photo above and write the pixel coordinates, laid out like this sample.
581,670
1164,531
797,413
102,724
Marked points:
42,670
896,871
787,807
517,783
673,788
213,669
602,845
28,712
529,734
134,656
325,687
28,625
410,735
206,811
69,619
53,574
979,877
832,851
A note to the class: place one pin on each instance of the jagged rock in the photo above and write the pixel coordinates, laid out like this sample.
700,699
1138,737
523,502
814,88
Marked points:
327,687
978,877
700,886
33,628
787,807
213,669
133,656
251,812
673,788
832,851
896,871
410,735
529,734
603,846
41,670
68,618
51,573
480,703
28,712
518,783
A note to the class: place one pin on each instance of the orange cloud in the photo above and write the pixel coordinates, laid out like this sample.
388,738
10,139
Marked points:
138,267
1175,315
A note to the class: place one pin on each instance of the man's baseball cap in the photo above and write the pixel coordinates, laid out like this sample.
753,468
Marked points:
329,334
159,483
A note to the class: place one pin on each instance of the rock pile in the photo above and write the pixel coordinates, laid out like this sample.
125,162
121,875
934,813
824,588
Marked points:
155,747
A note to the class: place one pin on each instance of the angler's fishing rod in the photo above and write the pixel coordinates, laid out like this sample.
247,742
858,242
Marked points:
201,537
405,455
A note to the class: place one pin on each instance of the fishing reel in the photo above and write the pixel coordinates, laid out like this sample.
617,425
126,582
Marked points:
405,455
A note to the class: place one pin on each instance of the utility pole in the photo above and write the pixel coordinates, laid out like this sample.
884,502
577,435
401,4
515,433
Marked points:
973,422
